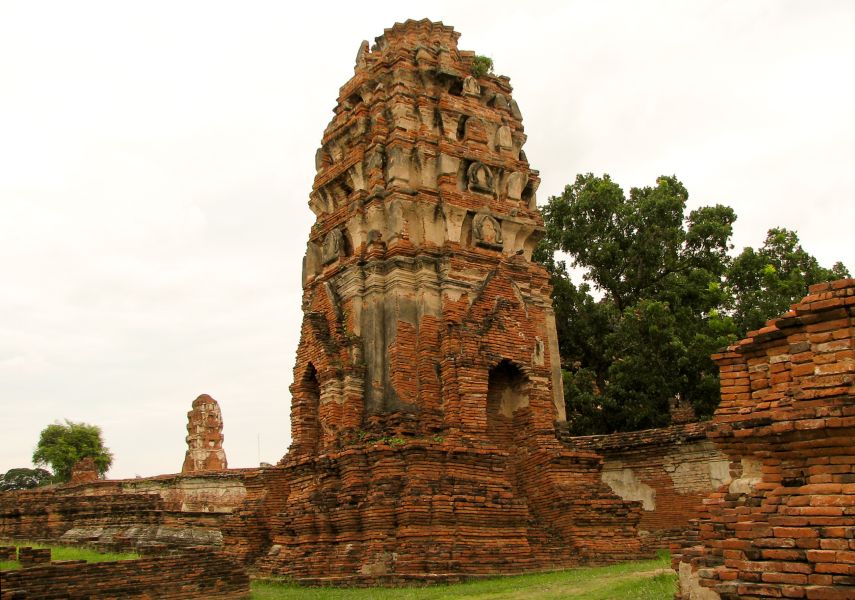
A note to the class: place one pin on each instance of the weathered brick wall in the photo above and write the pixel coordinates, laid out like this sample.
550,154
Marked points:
168,510
198,574
669,470
785,525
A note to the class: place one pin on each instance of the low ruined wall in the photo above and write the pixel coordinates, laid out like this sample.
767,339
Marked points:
197,574
669,470
214,491
166,511
785,526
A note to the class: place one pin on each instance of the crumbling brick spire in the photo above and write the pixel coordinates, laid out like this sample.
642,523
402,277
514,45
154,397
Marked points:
204,437
418,275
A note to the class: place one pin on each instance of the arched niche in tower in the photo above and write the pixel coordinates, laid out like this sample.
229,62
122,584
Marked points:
305,411
507,393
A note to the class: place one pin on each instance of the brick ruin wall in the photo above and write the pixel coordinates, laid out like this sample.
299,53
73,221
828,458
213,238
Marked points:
669,471
197,574
425,511
784,527
159,512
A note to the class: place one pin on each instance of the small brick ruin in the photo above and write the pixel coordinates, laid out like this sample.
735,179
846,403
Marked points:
199,573
427,382
84,471
784,527
204,437
30,557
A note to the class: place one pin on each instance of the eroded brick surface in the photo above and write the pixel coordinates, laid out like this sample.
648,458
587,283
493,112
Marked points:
785,526
84,471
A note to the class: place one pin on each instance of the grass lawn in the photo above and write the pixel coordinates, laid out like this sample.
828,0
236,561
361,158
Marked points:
644,580
67,553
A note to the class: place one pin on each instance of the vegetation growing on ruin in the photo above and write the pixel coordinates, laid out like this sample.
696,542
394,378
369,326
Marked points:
642,580
481,66
668,294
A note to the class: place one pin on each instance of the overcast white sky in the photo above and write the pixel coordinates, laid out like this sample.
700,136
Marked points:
156,159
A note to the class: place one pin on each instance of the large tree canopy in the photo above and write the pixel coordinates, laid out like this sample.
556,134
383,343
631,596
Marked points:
60,446
765,282
670,296
23,479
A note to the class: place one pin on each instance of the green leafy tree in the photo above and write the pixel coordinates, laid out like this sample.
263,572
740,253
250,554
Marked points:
763,283
648,360
650,336
24,479
61,446
637,247
671,297
481,66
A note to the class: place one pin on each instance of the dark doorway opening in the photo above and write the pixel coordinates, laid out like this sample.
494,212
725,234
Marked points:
507,393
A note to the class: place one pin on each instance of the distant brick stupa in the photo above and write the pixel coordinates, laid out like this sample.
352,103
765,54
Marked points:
204,437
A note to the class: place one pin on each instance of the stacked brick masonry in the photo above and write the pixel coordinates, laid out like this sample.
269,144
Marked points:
165,511
29,556
429,510
669,470
197,574
785,526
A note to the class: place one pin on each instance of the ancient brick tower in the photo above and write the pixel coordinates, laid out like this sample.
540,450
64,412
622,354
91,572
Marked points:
418,281
427,384
204,437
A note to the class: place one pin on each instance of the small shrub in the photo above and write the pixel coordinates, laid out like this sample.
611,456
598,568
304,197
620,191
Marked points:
481,66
